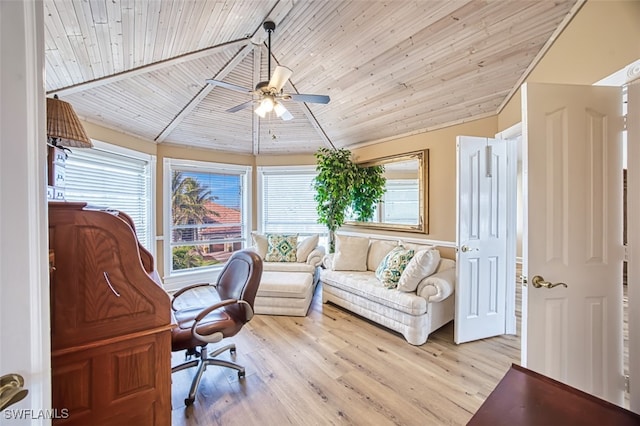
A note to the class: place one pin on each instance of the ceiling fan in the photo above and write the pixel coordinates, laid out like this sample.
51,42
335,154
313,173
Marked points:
269,94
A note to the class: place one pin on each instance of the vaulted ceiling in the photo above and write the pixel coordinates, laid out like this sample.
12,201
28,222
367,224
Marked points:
391,68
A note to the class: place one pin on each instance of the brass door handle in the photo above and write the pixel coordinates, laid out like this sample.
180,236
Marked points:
465,249
11,390
537,281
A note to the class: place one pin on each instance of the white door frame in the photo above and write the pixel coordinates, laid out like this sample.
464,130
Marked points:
24,280
633,241
513,136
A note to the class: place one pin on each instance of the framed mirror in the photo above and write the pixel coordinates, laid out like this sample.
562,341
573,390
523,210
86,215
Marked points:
404,206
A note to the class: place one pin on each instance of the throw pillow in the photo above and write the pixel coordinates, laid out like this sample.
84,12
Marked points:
378,249
423,264
306,246
282,248
392,266
350,253
261,244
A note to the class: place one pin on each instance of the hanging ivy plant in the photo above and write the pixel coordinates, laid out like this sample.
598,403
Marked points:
341,185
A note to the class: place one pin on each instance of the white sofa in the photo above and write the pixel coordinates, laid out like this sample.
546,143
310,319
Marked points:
349,280
287,287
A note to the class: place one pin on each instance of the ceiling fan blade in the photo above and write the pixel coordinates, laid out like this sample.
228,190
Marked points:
229,86
280,77
314,99
240,107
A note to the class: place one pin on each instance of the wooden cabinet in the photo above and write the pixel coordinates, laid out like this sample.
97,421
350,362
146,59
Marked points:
110,322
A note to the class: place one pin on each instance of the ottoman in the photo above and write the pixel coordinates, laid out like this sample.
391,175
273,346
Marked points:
284,293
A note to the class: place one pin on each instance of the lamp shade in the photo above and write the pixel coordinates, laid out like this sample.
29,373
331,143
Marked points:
64,127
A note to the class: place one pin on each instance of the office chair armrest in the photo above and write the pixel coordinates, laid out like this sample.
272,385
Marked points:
186,289
216,337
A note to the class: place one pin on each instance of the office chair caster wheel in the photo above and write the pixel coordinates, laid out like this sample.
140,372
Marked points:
189,401
241,374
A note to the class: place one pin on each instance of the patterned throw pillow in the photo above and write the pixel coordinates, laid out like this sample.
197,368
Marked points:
282,248
392,266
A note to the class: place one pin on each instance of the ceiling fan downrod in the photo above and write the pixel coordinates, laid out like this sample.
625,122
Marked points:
269,26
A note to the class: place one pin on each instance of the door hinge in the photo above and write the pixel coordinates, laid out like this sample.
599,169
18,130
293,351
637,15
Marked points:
627,384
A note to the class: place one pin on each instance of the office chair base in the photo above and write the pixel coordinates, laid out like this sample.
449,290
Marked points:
205,360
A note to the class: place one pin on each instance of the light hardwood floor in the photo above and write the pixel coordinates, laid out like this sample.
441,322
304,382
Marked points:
333,367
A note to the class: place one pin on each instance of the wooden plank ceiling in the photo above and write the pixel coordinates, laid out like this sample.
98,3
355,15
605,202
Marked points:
391,68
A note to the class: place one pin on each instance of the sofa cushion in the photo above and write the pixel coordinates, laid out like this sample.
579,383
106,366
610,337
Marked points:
378,249
366,285
282,248
423,264
288,267
416,247
350,254
287,285
260,243
306,246
392,266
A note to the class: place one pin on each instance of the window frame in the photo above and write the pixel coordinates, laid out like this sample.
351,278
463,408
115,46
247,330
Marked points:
176,279
263,171
279,171
151,177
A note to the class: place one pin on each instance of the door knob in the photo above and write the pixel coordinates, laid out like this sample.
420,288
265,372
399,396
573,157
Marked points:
465,249
11,390
537,281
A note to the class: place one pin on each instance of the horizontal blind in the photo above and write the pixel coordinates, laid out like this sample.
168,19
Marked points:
288,204
401,201
106,179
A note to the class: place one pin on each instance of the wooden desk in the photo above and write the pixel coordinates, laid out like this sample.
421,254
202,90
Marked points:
110,322
524,397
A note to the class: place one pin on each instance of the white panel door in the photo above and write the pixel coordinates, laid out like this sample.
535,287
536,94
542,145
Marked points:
572,171
481,238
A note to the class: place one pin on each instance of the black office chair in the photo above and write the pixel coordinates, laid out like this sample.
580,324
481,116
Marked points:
199,325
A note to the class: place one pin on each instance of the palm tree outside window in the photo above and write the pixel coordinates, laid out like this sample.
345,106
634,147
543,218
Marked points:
206,217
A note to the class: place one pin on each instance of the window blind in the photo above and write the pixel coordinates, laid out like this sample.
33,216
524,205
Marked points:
107,179
288,204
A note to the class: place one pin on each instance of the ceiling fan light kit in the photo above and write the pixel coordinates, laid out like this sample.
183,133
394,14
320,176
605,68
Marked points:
269,94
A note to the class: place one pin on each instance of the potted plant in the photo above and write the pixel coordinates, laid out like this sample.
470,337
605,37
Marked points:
341,184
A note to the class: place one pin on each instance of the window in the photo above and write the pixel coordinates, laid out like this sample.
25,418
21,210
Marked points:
117,178
207,213
287,201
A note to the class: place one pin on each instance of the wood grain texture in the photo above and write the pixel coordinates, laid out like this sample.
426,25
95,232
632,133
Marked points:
333,367
391,68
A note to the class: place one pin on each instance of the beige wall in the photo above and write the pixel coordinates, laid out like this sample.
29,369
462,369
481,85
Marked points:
601,39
